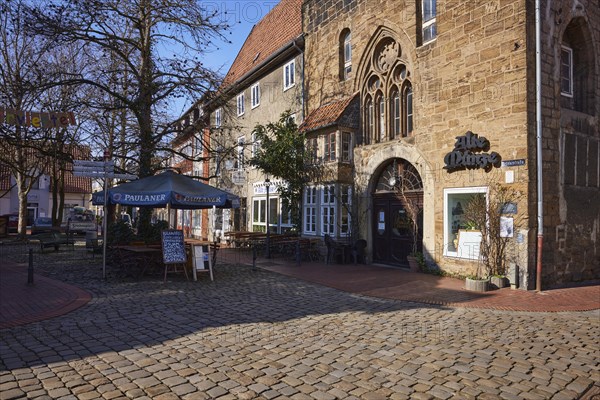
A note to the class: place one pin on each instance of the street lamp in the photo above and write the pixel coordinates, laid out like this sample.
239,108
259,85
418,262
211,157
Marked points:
267,185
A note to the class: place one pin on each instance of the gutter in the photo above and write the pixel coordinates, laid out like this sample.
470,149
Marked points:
538,106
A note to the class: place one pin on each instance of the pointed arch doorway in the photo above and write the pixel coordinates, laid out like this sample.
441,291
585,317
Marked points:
392,226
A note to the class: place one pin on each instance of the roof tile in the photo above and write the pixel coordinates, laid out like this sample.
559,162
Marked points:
326,115
282,24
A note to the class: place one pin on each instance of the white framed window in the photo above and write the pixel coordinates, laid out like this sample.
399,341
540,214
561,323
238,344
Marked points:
381,119
346,146
259,214
312,149
240,159
292,119
329,147
255,98
255,144
345,210
310,210
289,75
566,71
396,114
347,55
408,109
218,117
429,26
458,240
328,210
370,123
241,106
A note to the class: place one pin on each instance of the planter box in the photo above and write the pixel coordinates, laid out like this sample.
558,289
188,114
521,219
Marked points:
498,282
413,264
477,285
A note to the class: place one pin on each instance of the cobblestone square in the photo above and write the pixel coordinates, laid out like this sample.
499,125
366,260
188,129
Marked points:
254,334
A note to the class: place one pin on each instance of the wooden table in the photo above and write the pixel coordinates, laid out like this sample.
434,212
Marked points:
138,257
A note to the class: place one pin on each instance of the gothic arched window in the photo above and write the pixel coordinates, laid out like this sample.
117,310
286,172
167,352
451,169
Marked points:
407,108
395,113
380,118
369,121
387,78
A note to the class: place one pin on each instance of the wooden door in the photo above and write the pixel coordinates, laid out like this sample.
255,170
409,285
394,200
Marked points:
392,231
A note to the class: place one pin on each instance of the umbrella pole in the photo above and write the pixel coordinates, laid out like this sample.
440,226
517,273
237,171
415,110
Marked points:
104,227
169,214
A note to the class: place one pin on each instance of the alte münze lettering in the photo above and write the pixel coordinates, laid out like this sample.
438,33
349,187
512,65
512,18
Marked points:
466,154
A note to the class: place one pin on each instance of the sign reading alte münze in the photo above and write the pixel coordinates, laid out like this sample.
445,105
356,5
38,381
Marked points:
467,153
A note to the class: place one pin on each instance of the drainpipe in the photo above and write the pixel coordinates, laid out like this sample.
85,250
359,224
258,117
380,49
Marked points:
538,106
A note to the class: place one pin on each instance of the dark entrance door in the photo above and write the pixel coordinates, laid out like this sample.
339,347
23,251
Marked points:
392,235
399,185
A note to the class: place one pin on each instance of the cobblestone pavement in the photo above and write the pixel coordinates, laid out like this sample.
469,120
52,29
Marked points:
256,334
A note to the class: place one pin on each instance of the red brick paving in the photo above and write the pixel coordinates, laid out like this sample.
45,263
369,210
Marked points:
47,298
398,284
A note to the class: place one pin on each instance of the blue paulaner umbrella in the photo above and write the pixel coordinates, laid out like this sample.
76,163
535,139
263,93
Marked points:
168,189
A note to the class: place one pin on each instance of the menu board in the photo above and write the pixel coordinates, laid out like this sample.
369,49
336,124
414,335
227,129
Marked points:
201,254
202,257
173,248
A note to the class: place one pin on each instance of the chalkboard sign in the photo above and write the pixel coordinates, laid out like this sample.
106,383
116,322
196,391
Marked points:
172,247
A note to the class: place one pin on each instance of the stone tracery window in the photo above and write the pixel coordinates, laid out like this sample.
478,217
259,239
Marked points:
395,113
407,108
369,120
381,123
391,117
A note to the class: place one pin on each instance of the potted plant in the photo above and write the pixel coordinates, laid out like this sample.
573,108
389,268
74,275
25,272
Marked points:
477,284
413,210
487,216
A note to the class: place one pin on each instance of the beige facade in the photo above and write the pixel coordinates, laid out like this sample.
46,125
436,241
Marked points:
476,74
233,136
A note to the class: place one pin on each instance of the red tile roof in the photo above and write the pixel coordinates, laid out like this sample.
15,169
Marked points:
73,184
326,115
280,26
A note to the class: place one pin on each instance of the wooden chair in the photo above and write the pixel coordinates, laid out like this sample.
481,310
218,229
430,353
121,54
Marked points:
334,249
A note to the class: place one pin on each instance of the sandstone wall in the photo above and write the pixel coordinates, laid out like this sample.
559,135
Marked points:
473,77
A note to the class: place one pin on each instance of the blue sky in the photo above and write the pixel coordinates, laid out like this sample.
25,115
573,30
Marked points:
241,16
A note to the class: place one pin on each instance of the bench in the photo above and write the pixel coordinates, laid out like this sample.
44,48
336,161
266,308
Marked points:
51,239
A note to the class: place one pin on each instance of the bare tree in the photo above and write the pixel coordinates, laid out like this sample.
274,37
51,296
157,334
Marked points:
486,215
157,48
21,58
153,54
